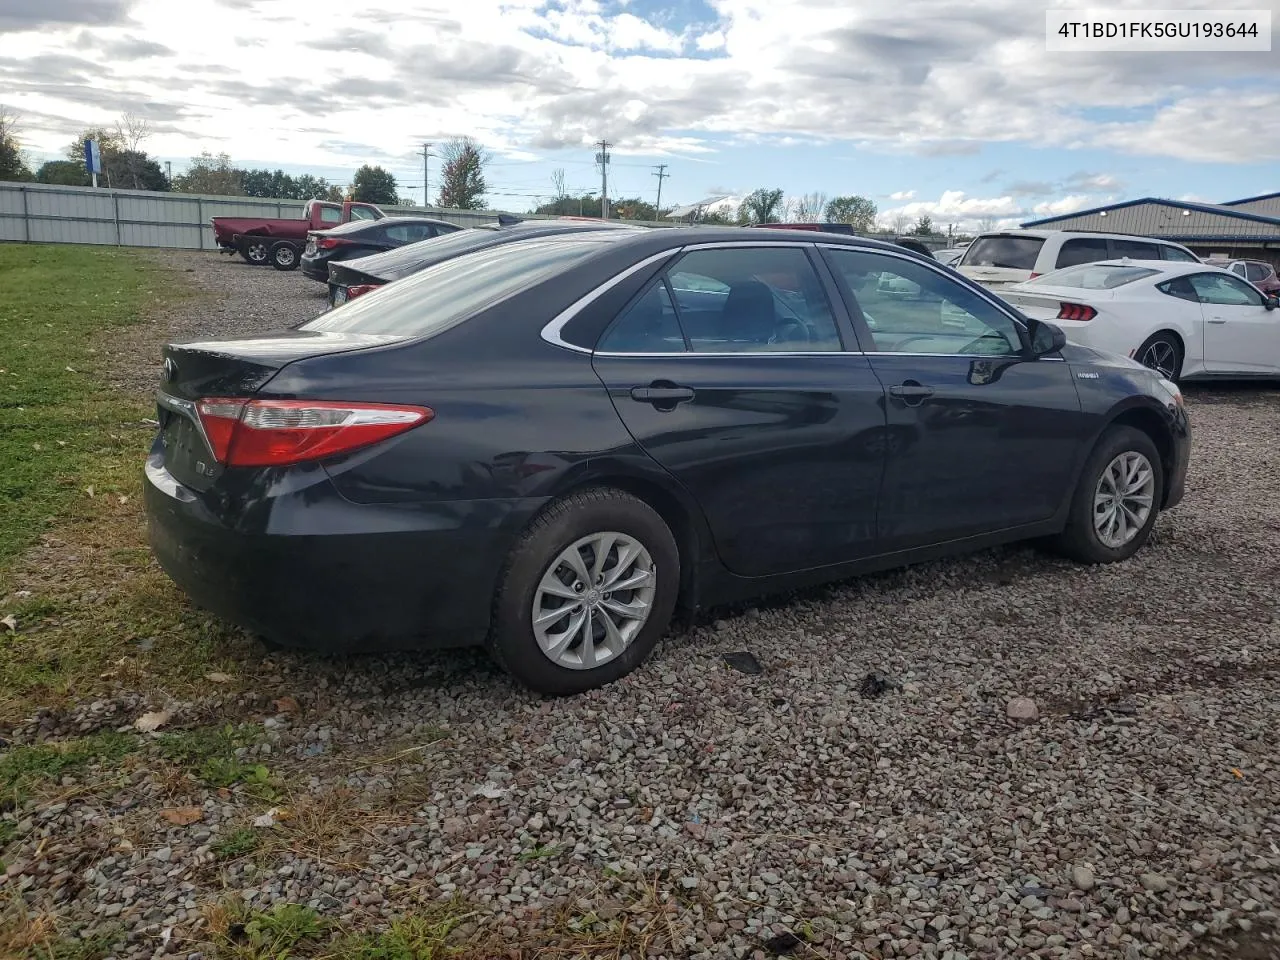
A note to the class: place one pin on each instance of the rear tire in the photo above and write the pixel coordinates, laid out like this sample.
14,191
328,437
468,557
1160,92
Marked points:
614,538
1163,353
284,256
1122,479
255,250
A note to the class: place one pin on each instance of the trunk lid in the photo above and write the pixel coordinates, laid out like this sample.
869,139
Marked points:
1044,302
228,368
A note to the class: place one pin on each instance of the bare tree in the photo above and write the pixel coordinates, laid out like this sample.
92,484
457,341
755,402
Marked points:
810,207
986,224
131,132
13,165
557,181
899,223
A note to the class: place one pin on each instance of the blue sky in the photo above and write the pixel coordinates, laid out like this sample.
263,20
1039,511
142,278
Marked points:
944,108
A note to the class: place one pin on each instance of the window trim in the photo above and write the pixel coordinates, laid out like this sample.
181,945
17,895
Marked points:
1211,273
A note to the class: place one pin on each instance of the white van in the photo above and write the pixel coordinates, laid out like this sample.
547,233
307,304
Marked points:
1003,257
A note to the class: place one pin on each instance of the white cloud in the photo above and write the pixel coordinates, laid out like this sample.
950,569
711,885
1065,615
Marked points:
707,42
1068,204
903,195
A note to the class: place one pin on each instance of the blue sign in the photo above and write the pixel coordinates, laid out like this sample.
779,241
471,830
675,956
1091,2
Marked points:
92,156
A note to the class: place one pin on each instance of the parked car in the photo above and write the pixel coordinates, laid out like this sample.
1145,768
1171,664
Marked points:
362,238
846,230
1185,320
1258,272
545,447
352,278
279,241
1014,256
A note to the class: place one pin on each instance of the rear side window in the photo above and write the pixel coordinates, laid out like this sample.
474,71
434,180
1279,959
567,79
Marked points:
1181,288
447,293
1177,253
649,325
1003,250
1079,250
1135,250
1257,272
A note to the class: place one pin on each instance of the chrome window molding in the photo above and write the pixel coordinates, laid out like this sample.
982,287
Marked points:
551,332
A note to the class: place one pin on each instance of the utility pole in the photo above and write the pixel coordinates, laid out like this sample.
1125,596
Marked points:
426,173
661,174
602,158
168,170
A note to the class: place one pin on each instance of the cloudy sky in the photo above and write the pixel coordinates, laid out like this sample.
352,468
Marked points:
947,107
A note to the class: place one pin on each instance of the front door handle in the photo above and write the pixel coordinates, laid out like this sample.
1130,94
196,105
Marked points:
662,394
1217,319
911,393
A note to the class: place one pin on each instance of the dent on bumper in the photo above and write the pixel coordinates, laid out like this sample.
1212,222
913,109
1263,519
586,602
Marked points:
398,578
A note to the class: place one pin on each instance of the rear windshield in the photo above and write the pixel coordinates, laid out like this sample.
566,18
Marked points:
447,293
449,245
1002,250
1093,276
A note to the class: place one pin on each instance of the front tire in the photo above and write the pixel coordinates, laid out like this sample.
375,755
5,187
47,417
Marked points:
1163,353
587,591
1116,500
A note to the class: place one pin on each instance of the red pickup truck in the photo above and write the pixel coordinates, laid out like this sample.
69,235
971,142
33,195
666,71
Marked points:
279,242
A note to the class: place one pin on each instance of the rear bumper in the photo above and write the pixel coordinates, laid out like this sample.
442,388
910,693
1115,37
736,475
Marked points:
313,268
315,570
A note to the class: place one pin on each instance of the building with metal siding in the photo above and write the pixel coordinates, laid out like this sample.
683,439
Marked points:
1246,229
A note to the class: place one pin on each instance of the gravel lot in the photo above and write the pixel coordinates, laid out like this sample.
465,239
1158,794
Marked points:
707,812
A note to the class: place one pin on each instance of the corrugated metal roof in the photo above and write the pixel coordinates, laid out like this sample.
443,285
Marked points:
1214,209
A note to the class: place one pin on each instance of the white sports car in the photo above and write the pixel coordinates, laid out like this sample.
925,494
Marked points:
1186,320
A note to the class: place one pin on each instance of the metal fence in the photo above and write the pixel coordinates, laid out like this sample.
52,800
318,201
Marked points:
42,213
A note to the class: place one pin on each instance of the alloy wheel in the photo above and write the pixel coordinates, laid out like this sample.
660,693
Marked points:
1123,499
593,600
1162,357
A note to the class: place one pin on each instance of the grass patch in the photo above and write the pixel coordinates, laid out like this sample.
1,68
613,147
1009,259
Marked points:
25,767
421,936
35,936
238,843
61,430
210,754
545,852
276,934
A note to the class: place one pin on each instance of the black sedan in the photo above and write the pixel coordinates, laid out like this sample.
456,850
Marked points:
353,278
360,238
547,447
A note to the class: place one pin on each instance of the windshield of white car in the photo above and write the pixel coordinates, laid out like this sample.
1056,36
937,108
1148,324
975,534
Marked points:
1008,251
1093,276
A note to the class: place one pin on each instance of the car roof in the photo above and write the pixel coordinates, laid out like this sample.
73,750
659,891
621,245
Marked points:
1046,234
355,226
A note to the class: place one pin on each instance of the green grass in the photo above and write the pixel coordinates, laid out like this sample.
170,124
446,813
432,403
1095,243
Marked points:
276,934
410,937
61,430
237,843
24,767
210,753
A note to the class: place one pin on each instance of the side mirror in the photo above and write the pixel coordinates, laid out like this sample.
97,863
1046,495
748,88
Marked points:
1046,338
1271,302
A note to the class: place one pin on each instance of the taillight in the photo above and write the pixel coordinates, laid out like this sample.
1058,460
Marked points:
1075,311
1033,275
277,433
360,288
330,243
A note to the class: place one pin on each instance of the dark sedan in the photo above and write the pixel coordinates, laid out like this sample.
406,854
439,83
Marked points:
354,278
547,447
360,238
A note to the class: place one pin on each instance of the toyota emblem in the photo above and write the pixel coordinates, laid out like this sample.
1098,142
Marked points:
170,369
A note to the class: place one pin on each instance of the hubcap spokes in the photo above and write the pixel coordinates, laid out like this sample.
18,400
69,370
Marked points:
593,600
1161,358
1124,498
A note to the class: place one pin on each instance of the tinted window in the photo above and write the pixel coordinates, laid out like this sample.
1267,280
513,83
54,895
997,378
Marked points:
444,294
1093,276
1013,252
1238,269
330,215
1256,273
409,232
363,213
1082,250
1225,290
649,325
913,309
1181,288
1177,253
752,299
1135,250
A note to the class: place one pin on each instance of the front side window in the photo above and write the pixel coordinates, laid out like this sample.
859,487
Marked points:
913,309
363,213
751,300
1079,250
1225,290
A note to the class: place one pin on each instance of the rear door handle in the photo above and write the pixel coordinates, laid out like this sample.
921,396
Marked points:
911,391
662,394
